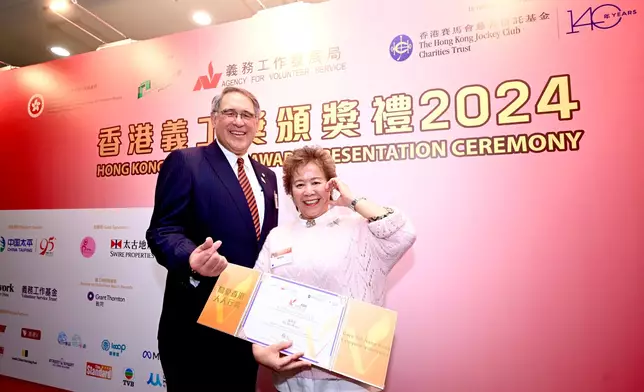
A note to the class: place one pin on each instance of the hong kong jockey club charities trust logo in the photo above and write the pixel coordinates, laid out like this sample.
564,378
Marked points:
36,105
88,247
401,48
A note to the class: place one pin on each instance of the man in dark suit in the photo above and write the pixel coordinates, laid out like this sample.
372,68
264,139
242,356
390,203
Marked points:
213,205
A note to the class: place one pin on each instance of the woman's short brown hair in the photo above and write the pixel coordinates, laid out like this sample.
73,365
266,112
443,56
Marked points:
302,157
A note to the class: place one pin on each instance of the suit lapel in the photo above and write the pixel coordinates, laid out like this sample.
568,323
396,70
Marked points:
222,169
267,191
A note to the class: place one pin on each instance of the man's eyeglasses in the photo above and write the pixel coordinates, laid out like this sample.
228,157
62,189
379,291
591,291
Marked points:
232,114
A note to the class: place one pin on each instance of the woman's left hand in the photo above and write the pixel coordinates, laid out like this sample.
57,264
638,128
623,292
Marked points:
346,197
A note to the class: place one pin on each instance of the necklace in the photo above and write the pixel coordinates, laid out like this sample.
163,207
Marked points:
309,222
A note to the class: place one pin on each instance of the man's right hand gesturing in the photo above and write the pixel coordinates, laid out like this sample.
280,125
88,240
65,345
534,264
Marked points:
206,261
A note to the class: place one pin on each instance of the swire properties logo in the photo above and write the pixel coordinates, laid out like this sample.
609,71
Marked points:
130,249
207,82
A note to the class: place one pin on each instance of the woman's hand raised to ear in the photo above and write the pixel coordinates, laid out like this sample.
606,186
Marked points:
346,196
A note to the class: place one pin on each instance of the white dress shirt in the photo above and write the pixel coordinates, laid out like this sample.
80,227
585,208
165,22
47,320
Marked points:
252,178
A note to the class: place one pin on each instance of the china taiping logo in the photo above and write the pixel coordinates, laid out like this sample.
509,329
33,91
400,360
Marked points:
47,246
18,245
401,48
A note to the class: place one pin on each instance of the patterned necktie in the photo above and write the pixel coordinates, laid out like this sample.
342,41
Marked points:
248,192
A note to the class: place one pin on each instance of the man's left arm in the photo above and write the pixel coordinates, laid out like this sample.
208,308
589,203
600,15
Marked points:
167,233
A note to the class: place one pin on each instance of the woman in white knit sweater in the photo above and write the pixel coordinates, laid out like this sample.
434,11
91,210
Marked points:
347,246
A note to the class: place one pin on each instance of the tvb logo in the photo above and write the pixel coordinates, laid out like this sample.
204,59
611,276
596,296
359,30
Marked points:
128,378
155,380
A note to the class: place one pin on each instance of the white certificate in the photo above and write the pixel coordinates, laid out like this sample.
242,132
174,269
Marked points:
283,310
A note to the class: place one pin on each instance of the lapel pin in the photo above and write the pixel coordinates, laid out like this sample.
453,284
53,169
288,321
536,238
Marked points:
263,180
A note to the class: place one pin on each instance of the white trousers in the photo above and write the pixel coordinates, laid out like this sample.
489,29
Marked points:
299,384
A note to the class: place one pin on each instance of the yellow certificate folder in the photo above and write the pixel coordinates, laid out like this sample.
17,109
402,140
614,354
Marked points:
351,338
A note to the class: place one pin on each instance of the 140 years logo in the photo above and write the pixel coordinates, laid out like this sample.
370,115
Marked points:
603,17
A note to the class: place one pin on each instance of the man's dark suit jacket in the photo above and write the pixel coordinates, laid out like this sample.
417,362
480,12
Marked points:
198,195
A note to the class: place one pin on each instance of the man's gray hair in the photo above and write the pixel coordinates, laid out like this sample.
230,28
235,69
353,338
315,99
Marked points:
216,101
